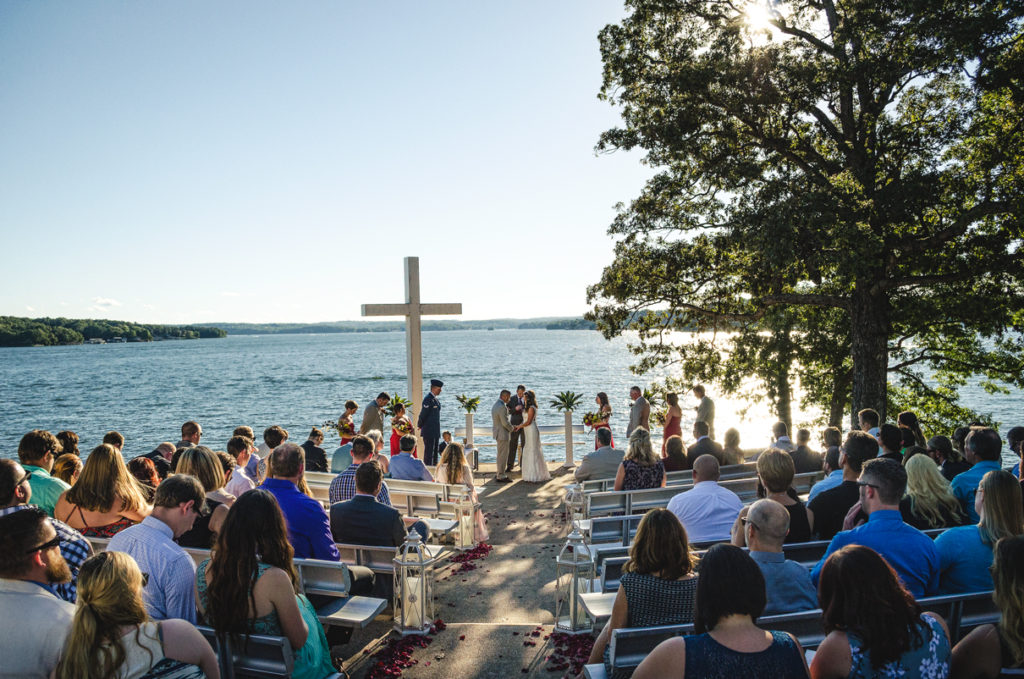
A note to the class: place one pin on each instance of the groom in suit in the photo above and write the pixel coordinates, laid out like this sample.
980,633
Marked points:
502,430
516,408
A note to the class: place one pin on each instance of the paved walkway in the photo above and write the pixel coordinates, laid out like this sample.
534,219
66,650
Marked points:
492,612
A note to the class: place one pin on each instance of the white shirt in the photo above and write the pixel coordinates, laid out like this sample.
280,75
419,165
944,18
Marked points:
34,626
707,511
239,482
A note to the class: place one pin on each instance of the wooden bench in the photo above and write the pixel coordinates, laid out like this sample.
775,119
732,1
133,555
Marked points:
678,478
639,501
629,646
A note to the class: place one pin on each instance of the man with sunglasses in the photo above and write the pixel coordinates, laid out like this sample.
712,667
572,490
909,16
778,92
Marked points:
34,622
910,552
170,590
15,495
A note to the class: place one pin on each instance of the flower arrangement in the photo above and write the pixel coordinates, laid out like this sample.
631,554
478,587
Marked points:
594,419
401,425
467,403
341,428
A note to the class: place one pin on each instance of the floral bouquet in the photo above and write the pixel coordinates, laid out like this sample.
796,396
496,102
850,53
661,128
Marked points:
594,419
401,425
345,429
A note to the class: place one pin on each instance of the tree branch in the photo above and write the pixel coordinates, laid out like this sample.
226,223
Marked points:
957,228
834,301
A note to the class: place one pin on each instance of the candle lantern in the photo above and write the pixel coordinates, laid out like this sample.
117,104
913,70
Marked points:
575,500
413,595
465,509
575,565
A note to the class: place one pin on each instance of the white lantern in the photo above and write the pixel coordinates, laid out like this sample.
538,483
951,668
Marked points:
576,575
413,595
465,510
575,500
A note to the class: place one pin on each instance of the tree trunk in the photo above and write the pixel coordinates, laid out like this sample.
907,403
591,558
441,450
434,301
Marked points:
869,339
784,405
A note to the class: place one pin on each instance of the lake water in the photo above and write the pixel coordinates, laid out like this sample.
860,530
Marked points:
146,390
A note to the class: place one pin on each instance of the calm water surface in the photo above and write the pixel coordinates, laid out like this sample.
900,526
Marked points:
146,390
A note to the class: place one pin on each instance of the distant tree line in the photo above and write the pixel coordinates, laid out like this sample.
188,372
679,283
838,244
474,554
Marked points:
558,323
27,332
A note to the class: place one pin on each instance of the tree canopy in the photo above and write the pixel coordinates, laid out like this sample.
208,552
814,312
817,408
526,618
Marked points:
840,186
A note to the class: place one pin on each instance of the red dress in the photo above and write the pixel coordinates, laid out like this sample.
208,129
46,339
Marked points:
603,425
671,429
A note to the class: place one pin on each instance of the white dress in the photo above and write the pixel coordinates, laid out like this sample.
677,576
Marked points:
535,469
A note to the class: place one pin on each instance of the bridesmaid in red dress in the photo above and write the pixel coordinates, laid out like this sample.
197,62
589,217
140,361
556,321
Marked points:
672,420
605,409
347,422
399,420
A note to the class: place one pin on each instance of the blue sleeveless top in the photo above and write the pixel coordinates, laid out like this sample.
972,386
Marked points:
930,660
709,659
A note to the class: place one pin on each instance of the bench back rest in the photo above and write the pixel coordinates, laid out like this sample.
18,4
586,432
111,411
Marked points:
377,559
679,478
324,577
255,656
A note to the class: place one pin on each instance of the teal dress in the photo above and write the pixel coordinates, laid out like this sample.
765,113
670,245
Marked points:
313,660
929,660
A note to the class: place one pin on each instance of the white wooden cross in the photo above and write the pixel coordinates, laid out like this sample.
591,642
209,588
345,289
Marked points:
413,309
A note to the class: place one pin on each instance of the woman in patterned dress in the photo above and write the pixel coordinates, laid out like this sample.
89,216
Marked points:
641,467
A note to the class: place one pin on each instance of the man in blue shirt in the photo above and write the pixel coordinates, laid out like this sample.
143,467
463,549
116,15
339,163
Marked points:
405,466
910,552
787,583
833,473
309,529
982,449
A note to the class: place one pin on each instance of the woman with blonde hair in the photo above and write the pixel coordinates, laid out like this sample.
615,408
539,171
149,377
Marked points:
929,501
112,635
640,467
67,468
659,582
965,552
455,470
731,453
775,471
987,649
106,499
203,463
383,460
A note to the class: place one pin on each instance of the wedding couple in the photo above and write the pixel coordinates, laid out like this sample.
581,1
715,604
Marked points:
514,418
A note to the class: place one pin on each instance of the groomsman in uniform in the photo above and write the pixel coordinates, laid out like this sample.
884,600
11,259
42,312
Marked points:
429,423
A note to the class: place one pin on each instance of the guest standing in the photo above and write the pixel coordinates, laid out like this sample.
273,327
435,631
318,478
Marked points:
727,643
705,408
106,499
673,417
908,420
641,468
875,627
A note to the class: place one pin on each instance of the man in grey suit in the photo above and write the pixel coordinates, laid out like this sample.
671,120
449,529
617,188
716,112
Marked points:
501,429
373,416
705,409
604,462
639,412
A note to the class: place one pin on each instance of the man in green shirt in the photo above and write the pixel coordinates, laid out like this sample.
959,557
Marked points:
37,451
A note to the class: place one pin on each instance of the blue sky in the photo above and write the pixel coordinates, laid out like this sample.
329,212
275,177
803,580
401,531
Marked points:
266,161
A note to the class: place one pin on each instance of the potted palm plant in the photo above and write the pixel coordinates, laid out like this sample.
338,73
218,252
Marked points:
468,404
567,402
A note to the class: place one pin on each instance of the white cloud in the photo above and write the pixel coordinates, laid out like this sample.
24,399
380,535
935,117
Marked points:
28,308
105,302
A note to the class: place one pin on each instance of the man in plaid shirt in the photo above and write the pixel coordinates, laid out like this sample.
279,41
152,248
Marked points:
343,487
15,494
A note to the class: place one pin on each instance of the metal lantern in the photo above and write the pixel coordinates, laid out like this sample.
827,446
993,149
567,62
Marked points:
575,500
465,509
413,595
576,575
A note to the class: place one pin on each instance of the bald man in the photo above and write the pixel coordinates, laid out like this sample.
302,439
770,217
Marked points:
787,583
707,511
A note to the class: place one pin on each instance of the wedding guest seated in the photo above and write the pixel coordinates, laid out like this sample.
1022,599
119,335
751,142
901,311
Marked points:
727,643
161,457
1015,442
309,529
908,420
731,452
34,622
675,459
890,440
911,451
67,468
252,467
36,452
830,506
405,466
316,457
15,496
868,420
106,499
804,459
342,457
987,649
787,583
909,551
949,459
703,445
250,585
69,442
984,450
929,502
775,470
114,438
112,636
454,470
272,438
168,591
203,464
191,433
874,626
707,511
833,473
641,467
780,438
378,449
965,552
144,471
343,487
364,521
658,584
603,462
241,449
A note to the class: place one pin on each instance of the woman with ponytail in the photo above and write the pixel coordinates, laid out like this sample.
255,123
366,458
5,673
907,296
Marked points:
112,637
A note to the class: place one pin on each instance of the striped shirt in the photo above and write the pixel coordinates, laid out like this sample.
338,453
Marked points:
343,487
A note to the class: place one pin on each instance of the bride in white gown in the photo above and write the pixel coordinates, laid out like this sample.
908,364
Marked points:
535,469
